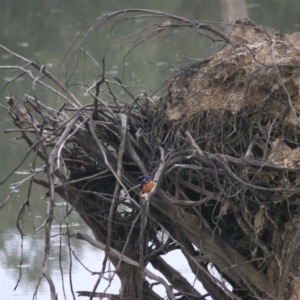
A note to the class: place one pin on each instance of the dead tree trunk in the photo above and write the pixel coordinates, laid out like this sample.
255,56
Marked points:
222,146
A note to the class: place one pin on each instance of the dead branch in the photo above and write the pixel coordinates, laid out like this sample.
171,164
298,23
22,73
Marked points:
116,254
222,142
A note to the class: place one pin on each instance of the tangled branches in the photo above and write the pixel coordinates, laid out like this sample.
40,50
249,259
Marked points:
222,146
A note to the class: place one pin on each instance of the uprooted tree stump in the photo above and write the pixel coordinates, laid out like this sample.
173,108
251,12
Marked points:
223,148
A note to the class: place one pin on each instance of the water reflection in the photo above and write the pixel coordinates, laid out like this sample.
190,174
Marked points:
33,248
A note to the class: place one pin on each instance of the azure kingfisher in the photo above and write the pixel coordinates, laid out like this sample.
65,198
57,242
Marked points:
146,184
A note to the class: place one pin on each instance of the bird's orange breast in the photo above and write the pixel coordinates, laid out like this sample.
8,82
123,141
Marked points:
148,186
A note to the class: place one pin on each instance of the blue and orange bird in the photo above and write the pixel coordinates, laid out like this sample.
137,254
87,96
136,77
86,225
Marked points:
146,184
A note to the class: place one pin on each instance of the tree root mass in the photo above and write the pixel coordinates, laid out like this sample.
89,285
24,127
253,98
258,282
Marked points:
223,147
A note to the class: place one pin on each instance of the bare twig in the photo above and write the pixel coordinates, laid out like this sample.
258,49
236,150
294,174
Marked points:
83,236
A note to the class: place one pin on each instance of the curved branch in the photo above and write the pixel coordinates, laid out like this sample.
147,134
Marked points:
116,254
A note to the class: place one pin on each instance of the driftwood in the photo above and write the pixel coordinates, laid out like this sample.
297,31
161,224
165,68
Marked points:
222,146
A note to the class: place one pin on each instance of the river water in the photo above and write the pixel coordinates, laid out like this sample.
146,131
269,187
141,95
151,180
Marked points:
44,31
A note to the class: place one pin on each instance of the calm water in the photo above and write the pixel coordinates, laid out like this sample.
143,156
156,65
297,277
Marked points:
44,31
